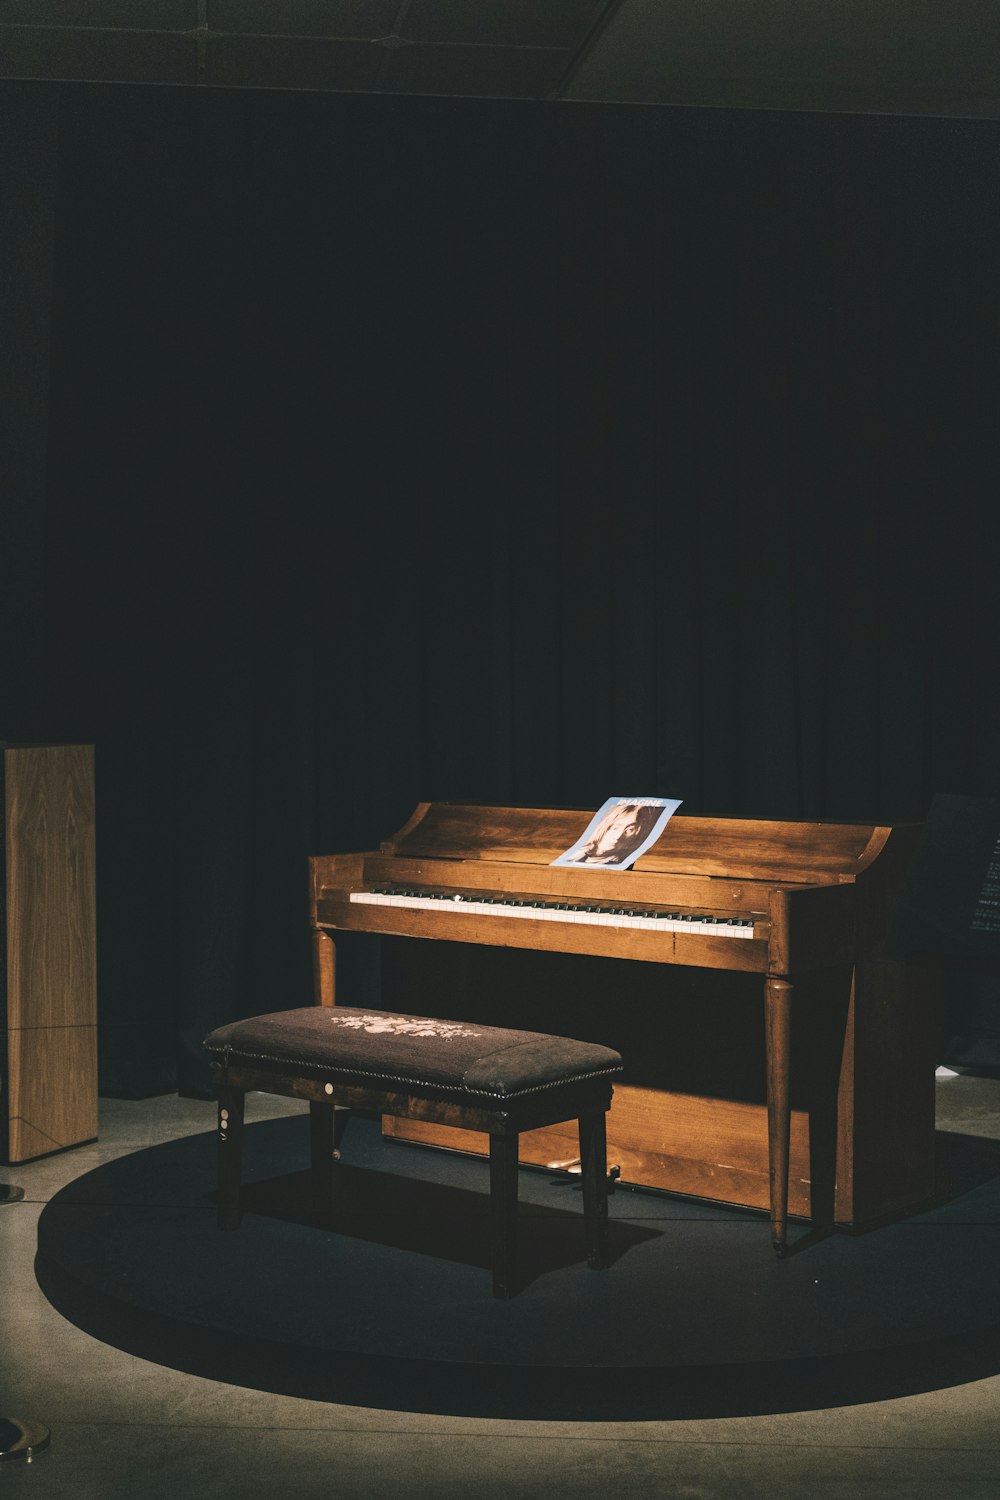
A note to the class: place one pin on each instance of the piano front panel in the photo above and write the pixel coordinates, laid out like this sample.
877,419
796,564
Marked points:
679,1143
690,1114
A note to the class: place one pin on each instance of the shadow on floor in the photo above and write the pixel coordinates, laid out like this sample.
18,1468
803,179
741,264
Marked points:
391,1307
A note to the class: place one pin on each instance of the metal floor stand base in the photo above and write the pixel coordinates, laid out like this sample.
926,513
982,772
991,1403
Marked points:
21,1439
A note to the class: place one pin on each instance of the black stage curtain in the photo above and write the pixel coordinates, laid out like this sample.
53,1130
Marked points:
412,448
28,124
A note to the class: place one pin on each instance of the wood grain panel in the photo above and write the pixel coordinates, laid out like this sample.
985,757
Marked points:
746,848
50,963
53,1095
685,891
51,907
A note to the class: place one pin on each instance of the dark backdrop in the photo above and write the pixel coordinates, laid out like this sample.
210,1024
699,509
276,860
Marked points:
406,449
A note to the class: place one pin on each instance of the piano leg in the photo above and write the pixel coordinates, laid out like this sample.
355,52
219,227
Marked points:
778,1028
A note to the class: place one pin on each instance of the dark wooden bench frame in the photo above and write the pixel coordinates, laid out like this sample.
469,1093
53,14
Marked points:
586,1101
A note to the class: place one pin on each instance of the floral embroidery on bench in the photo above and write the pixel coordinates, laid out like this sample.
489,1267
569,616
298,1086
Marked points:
402,1025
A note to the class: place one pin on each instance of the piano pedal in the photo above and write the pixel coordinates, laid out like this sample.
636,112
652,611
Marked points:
574,1167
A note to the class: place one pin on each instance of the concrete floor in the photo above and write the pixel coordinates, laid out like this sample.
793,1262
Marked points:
125,1428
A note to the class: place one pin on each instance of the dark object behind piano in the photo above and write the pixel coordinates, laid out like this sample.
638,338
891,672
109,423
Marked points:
949,907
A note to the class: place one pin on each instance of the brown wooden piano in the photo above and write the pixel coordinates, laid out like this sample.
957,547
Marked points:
774,1056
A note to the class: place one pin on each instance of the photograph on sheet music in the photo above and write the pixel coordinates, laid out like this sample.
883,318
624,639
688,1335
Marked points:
620,830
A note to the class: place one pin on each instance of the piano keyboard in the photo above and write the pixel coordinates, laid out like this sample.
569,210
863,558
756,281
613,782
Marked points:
602,914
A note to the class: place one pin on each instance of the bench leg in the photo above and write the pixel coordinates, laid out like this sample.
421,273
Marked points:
594,1172
503,1213
326,1130
230,1157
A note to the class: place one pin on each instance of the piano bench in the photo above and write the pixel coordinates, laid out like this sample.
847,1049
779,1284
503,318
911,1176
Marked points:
483,1078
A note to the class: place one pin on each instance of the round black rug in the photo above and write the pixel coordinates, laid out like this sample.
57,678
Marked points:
695,1317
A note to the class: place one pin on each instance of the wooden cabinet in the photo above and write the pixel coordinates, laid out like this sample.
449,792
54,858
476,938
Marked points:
48,1000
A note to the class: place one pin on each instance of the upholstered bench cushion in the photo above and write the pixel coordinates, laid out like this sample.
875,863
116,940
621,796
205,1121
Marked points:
389,1050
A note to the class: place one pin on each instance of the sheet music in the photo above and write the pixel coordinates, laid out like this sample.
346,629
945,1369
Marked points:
620,831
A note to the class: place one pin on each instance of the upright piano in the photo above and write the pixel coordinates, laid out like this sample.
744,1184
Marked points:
775,1056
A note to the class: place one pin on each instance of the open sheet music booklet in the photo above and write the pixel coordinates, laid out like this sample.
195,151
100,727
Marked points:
620,830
